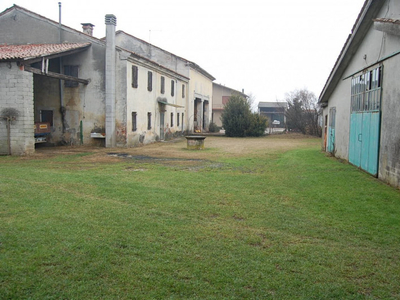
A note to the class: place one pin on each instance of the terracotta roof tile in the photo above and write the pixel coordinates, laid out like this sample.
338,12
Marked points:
17,52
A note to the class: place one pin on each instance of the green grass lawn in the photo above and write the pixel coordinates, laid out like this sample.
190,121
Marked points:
290,224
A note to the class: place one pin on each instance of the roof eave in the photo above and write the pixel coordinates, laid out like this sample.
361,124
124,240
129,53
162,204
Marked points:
200,70
192,64
59,54
363,23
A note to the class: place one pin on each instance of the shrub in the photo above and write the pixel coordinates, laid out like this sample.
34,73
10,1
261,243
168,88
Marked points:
213,127
239,121
258,125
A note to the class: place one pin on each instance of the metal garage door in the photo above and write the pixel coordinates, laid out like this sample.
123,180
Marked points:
365,121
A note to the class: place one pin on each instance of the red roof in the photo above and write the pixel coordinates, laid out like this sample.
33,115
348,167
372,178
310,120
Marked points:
17,52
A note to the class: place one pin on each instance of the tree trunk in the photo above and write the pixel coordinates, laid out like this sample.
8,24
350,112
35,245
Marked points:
9,135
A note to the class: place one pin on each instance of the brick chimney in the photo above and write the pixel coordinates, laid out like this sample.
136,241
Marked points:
87,28
111,22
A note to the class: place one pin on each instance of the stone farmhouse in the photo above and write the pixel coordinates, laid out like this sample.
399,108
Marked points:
60,86
361,97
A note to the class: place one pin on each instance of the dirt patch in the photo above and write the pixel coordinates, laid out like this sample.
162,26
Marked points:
175,151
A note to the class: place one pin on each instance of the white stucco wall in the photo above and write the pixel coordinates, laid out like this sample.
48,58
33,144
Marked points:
200,87
141,101
389,159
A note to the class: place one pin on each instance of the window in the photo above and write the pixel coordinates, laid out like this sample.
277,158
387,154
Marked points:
46,116
182,119
366,91
71,71
172,88
134,77
149,120
162,85
225,99
177,119
172,119
134,121
149,81
183,90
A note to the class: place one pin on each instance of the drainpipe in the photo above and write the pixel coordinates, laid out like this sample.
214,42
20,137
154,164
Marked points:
62,108
111,22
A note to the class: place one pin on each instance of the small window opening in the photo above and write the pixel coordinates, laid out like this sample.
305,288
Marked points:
134,121
149,120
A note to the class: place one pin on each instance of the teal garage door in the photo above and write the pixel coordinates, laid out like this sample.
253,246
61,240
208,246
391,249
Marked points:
331,131
365,120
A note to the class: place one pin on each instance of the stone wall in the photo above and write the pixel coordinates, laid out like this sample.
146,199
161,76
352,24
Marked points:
16,92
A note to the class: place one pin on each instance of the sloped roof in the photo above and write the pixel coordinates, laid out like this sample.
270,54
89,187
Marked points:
188,62
272,104
363,23
152,62
26,52
231,89
13,55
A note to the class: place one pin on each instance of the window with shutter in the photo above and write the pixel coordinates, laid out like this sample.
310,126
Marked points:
162,85
134,77
149,81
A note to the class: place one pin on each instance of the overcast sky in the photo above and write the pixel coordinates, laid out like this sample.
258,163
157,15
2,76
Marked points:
267,48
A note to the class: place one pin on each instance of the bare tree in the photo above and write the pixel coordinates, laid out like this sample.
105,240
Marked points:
302,112
251,99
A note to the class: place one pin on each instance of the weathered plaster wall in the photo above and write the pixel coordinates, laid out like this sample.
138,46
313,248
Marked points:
16,91
47,97
153,53
121,98
340,100
40,31
389,159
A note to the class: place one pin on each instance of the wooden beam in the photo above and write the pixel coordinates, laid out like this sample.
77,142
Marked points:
56,75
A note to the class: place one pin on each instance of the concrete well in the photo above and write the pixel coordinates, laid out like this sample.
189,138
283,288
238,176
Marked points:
195,142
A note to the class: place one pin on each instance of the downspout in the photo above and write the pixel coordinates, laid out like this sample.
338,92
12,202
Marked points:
62,108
